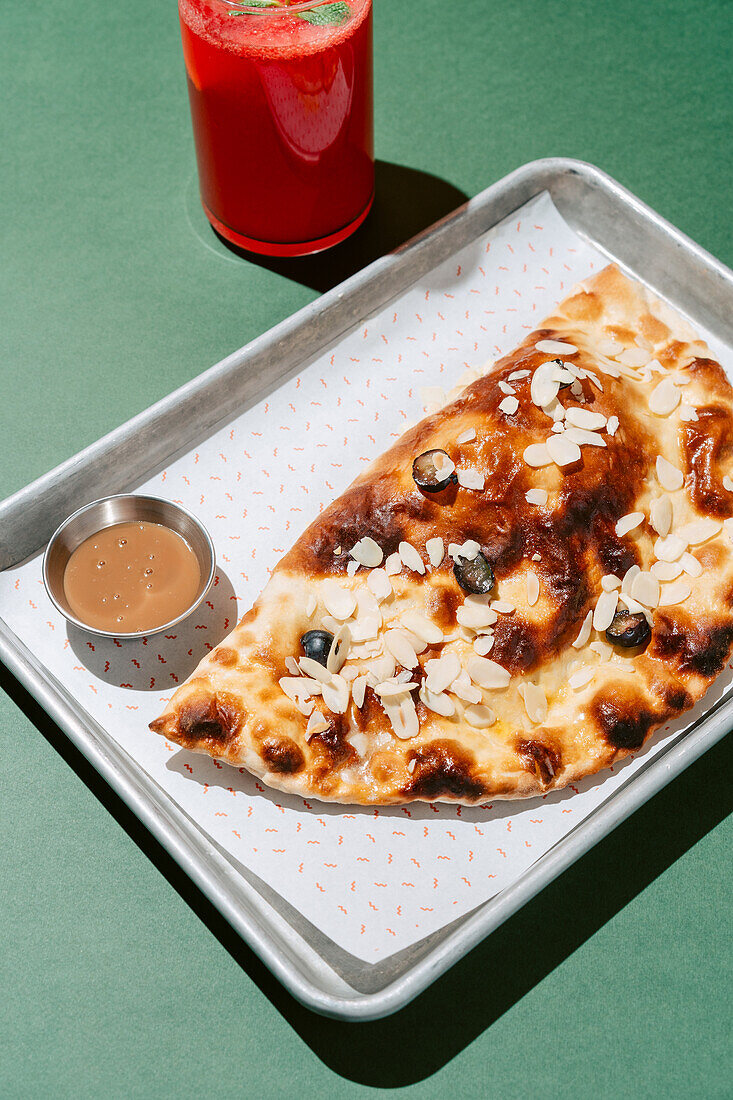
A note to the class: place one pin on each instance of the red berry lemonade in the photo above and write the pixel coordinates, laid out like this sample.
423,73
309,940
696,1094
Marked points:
281,101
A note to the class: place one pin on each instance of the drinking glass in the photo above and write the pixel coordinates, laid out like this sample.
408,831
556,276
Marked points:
282,109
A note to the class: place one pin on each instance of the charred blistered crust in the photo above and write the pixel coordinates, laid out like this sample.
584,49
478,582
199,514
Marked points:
691,644
708,447
624,724
540,759
444,770
282,755
211,719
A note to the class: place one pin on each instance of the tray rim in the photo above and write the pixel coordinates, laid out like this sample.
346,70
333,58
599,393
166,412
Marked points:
161,815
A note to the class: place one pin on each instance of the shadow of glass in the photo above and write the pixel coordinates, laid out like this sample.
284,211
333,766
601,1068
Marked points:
185,646
418,1041
406,202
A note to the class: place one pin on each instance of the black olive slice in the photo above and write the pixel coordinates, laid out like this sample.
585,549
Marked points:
475,576
629,630
317,645
425,474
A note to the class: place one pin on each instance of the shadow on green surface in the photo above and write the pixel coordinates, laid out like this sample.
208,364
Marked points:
406,201
418,1041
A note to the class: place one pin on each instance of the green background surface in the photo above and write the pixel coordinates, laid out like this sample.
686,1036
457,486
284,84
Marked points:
118,979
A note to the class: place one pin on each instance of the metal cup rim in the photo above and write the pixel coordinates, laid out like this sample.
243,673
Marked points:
137,634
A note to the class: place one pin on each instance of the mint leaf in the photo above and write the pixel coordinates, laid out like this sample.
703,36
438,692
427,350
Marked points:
256,4
328,15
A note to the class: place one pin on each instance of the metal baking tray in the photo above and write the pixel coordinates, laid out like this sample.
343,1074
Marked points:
310,966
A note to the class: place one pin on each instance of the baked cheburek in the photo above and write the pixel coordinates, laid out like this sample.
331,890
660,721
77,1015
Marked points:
586,473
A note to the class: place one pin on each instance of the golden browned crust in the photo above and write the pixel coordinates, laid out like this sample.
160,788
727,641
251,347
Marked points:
234,709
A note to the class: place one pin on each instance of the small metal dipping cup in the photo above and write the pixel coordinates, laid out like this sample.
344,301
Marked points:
127,508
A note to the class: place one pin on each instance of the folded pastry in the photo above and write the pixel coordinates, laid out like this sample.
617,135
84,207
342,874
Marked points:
514,596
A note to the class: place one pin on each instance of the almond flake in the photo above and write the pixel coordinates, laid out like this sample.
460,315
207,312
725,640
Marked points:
691,565
583,437
605,610
339,602
439,703
468,550
471,479
422,626
401,648
537,455
557,427
517,375
555,347
483,645
467,437
536,557
670,477
544,387
393,689
660,515
563,452
367,553
664,398
602,648
633,605
700,530
688,413
479,716
594,379
535,701
609,583
580,678
609,346
393,565
503,607
533,588
315,670
352,568
358,690
310,605
410,557
403,717
509,405
628,579
339,650
612,427
316,724
645,589
442,671
336,694
669,570
584,632
676,592
379,584
584,418
536,496
475,615
629,523
487,673
670,548
633,357
727,483
444,466
506,388
436,551
464,689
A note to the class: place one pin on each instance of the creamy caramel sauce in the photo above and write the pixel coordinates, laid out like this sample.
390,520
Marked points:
131,577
